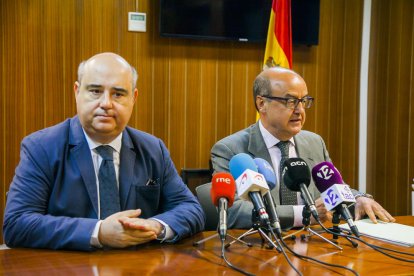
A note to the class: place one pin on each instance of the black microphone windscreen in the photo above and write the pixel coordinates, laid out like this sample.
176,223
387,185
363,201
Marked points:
296,172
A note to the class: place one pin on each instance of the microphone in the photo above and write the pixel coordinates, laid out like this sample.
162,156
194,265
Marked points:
222,195
266,169
335,194
296,176
250,184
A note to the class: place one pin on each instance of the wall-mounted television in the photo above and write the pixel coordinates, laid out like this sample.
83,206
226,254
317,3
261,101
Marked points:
236,20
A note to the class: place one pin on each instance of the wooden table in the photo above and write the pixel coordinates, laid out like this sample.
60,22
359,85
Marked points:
185,259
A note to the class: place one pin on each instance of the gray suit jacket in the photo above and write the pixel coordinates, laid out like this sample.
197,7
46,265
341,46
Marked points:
309,146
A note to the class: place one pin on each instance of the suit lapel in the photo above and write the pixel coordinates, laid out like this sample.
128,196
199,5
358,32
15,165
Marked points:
257,146
82,155
126,169
303,149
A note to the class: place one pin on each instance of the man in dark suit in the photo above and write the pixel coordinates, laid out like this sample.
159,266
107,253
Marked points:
281,97
56,199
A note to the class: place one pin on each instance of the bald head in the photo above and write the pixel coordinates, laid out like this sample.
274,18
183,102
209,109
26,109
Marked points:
274,79
274,90
107,58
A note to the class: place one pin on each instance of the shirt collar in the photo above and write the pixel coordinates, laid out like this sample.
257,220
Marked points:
268,138
115,144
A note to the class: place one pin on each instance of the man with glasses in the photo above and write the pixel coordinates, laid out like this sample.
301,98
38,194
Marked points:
281,97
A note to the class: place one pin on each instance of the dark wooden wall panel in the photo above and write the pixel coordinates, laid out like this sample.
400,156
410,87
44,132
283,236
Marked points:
390,168
191,93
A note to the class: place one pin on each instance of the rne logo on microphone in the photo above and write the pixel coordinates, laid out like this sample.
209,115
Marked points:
223,180
325,172
298,163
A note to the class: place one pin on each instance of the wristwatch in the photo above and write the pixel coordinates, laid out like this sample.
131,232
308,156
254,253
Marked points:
161,235
364,195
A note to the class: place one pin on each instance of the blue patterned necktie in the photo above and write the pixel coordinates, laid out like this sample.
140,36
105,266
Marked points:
108,188
287,197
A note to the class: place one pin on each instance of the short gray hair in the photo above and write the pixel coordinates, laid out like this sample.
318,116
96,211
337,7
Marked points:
261,87
81,71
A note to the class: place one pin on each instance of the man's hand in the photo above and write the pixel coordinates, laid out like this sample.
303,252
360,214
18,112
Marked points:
114,233
368,206
141,224
324,214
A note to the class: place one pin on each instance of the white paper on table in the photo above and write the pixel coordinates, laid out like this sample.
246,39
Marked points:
395,233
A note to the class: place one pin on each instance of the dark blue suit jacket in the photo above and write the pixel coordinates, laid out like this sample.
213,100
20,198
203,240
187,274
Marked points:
53,203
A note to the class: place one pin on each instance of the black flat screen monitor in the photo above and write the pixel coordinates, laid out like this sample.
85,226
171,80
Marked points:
235,20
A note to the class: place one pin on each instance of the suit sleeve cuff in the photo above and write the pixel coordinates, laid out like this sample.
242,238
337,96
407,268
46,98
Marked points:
167,234
95,235
297,211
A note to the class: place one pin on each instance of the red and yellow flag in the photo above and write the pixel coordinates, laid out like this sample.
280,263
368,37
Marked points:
279,36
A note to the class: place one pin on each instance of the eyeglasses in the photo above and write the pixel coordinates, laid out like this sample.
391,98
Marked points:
292,103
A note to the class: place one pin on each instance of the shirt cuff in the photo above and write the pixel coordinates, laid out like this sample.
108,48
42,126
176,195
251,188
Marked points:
169,233
94,238
297,213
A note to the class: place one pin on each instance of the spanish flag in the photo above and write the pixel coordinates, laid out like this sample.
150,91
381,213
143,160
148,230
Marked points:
279,36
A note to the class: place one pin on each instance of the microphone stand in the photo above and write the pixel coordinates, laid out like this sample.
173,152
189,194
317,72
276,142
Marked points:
197,243
218,235
257,227
306,214
335,229
335,225
223,255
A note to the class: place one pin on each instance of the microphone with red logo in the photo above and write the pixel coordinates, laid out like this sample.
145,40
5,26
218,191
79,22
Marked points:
222,195
335,194
250,184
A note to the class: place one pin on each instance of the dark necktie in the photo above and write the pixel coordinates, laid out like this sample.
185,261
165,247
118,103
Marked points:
108,189
287,197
